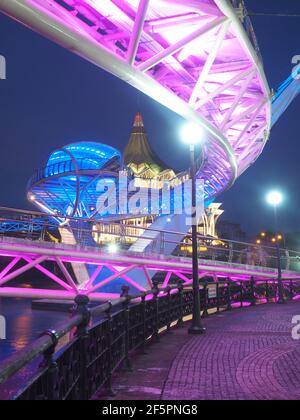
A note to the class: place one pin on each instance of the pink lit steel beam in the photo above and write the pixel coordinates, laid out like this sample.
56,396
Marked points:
22,270
170,22
243,115
48,274
209,62
137,30
223,87
127,278
148,277
167,280
173,49
16,292
238,98
111,278
9,267
92,278
90,257
66,274
241,137
149,30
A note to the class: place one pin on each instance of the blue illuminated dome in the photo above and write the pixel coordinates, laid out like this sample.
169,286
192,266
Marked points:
67,185
91,155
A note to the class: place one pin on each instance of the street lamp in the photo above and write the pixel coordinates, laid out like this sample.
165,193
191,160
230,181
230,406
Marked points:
192,134
274,199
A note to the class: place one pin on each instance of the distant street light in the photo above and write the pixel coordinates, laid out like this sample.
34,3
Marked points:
192,134
275,198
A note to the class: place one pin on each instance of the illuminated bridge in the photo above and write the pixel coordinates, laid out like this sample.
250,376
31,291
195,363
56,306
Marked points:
29,248
198,58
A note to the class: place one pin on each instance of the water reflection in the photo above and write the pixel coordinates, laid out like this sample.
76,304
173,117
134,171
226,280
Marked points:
24,324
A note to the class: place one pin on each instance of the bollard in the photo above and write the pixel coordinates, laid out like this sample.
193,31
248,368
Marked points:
181,309
48,361
218,297
144,324
229,307
205,291
82,302
253,300
169,310
125,294
110,391
156,303
267,292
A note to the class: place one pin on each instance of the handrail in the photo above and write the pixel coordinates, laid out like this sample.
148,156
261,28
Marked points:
108,343
16,362
118,225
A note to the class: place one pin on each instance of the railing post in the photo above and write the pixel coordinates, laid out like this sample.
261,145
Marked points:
144,323
253,302
169,309
125,294
242,295
205,291
181,311
267,292
82,302
109,345
229,307
156,303
52,365
291,288
218,296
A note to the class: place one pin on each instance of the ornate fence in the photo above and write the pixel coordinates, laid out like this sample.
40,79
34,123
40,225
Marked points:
86,364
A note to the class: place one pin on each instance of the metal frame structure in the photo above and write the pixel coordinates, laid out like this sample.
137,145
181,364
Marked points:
231,260
96,349
194,57
67,185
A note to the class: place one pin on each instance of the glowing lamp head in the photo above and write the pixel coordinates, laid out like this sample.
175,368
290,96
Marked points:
192,134
274,198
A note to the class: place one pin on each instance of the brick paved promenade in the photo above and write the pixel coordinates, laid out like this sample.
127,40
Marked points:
246,354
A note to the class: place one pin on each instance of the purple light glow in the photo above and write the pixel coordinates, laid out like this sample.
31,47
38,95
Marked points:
193,57
119,265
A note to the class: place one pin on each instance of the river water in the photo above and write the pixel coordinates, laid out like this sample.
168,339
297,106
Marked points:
23,324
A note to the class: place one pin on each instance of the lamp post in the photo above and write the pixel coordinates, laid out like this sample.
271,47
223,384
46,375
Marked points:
193,135
275,198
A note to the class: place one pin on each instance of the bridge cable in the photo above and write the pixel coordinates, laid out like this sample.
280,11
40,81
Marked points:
273,14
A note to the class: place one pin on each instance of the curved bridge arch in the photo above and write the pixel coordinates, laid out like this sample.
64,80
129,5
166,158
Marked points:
194,57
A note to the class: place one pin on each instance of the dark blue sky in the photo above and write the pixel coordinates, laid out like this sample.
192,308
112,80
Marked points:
52,97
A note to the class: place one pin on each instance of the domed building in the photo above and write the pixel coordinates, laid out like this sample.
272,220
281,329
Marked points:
67,185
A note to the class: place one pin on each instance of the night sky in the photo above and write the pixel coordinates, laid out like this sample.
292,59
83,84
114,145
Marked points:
51,98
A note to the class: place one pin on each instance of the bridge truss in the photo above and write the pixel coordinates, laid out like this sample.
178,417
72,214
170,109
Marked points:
21,258
194,57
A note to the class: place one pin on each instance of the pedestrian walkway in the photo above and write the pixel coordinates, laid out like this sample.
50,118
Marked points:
247,354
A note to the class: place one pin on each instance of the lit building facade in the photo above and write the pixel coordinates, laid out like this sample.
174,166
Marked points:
67,186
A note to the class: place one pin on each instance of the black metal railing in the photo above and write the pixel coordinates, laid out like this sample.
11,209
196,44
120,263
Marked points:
93,353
